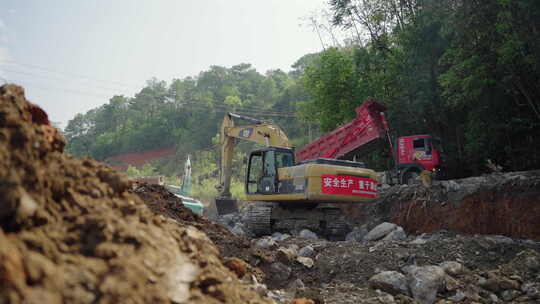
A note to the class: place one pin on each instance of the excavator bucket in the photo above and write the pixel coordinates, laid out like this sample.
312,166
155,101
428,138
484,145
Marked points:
225,205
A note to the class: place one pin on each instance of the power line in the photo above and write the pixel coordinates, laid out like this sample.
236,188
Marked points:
48,78
71,74
93,79
249,108
48,88
217,108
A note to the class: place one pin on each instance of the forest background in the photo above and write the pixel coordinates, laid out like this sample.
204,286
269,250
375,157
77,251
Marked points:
467,71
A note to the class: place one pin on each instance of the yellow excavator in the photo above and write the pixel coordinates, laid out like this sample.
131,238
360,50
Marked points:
285,195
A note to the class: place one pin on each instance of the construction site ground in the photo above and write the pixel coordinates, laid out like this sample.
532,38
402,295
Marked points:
77,231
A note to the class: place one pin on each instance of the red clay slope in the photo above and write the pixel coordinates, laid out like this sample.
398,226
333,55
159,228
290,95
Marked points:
122,161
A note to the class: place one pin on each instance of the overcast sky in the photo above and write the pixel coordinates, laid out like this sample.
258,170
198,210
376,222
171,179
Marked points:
72,56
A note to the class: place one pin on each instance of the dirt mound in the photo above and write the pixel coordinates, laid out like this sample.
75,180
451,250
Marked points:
162,202
71,231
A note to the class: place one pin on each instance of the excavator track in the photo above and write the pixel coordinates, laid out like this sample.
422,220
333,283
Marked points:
336,226
259,220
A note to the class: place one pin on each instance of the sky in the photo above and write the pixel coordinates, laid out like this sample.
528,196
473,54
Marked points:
72,56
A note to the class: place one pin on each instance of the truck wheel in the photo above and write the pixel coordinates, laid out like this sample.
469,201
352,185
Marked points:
410,177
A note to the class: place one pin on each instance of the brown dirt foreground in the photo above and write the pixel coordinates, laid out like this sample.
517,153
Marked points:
71,231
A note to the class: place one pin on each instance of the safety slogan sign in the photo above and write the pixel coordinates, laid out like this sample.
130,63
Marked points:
349,185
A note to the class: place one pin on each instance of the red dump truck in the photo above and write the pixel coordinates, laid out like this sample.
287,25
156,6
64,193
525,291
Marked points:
368,132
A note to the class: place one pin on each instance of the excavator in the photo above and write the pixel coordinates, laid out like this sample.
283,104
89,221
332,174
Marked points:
284,195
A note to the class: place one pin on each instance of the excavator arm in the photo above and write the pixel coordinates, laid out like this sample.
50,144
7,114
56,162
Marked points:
260,132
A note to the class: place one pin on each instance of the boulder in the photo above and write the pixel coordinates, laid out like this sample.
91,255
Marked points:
265,242
425,281
357,234
238,229
509,295
306,251
397,234
452,268
308,262
531,289
380,231
279,271
285,255
391,282
307,234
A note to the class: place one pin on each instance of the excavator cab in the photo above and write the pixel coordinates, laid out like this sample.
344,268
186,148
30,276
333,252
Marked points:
262,170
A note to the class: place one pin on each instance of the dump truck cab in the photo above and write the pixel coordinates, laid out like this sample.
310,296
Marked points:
416,153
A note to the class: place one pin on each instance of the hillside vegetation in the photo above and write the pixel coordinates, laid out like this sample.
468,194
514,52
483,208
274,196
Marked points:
466,71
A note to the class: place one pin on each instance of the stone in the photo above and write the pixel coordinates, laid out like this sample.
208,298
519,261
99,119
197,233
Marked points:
397,234
27,206
294,247
509,295
496,283
279,271
494,299
458,297
228,219
306,251
238,229
452,268
276,236
308,262
531,289
179,277
386,299
391,282
357,234
259,288
425,281
285,255
418,241
499,239
265,242
380,231
450,185
297,284
450,283
307,234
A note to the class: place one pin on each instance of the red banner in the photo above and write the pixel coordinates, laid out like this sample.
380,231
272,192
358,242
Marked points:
349,185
